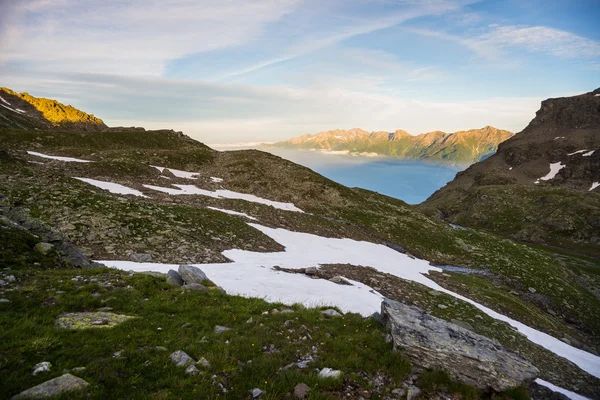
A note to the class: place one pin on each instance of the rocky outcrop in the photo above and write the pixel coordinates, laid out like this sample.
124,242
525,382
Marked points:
53,387
434,343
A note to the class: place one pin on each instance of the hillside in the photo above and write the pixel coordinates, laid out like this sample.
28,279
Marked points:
281,247
458,148
42,113
541,185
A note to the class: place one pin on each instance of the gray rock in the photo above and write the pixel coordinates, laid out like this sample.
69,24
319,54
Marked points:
220,329
412,392
78,369
203,362
470,358
311,271
3,283
329,373
340,280
44,366
155,274
191,274
44,248
301,391
195,286
181,358
4,301
174,279
532,290
256,393
140,257
331,313
53,387
192,370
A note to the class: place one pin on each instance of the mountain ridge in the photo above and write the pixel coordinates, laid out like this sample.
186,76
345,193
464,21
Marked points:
459,148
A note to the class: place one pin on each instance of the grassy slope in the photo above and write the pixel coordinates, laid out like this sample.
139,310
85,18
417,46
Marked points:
518,266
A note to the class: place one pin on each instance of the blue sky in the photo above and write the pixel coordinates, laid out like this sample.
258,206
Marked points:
244,71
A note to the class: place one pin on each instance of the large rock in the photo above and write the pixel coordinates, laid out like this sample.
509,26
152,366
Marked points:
53,387
173,278
191,274
434,343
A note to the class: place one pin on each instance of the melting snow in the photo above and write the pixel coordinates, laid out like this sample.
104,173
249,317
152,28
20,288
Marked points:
597,95
178,173
216,180
112,187
232,212
9,108
594,186
248,275
559,137
66,159
576,152
227,194
19,110
4,100
589,153
554,168
554,388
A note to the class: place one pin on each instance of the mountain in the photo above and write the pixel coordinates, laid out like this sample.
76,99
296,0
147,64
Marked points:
459,148
542,185
41,113
95,225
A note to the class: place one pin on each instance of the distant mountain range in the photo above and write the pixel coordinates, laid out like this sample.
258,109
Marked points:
458,148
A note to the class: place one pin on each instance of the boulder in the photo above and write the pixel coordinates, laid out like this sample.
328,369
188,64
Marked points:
174,279
470,358
181,359
331,313
53,387
195,286
191,274
301,391
140,257
44,248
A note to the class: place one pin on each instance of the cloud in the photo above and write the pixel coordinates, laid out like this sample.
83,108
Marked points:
222,113
135,37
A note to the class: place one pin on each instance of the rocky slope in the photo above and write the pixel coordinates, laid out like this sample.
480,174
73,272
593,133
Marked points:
542,185
47,213
458,148
41,113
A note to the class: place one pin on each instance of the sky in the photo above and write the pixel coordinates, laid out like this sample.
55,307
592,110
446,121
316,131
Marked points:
234,71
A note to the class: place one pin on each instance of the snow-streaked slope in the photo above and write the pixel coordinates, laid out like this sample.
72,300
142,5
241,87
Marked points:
58,158
554,388
179,173
554,168
576,152
305,250
112,187
588,154
221,193
231,212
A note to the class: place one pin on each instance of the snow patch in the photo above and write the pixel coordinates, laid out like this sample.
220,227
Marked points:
9,108
576,152
112,187
559,137
597,95
588,154
554,168
248,275
58,158
216,180
221,193
554,388
594,186
178,173
231,212
510,169
4,100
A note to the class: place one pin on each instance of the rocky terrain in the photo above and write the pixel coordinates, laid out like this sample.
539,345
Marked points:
458,148
542,186
286,300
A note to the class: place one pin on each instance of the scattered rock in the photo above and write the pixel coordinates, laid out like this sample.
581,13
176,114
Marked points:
463,324
173,278
340,280
191,274
203,362
78,369
87,320
250,320
311,271
331,313
4,301
181,358
301,391
256,393
412,392
140,257
287,311
473,359
330,373
41,367
195,287
3,283
53,387
532,290
44,248
192,370
220,329
442,306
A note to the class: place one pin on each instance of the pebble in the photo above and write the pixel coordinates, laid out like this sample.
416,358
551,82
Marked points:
256,393
44,366
220,329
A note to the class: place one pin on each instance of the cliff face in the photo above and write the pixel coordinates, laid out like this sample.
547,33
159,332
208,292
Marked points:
549,175
459,148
